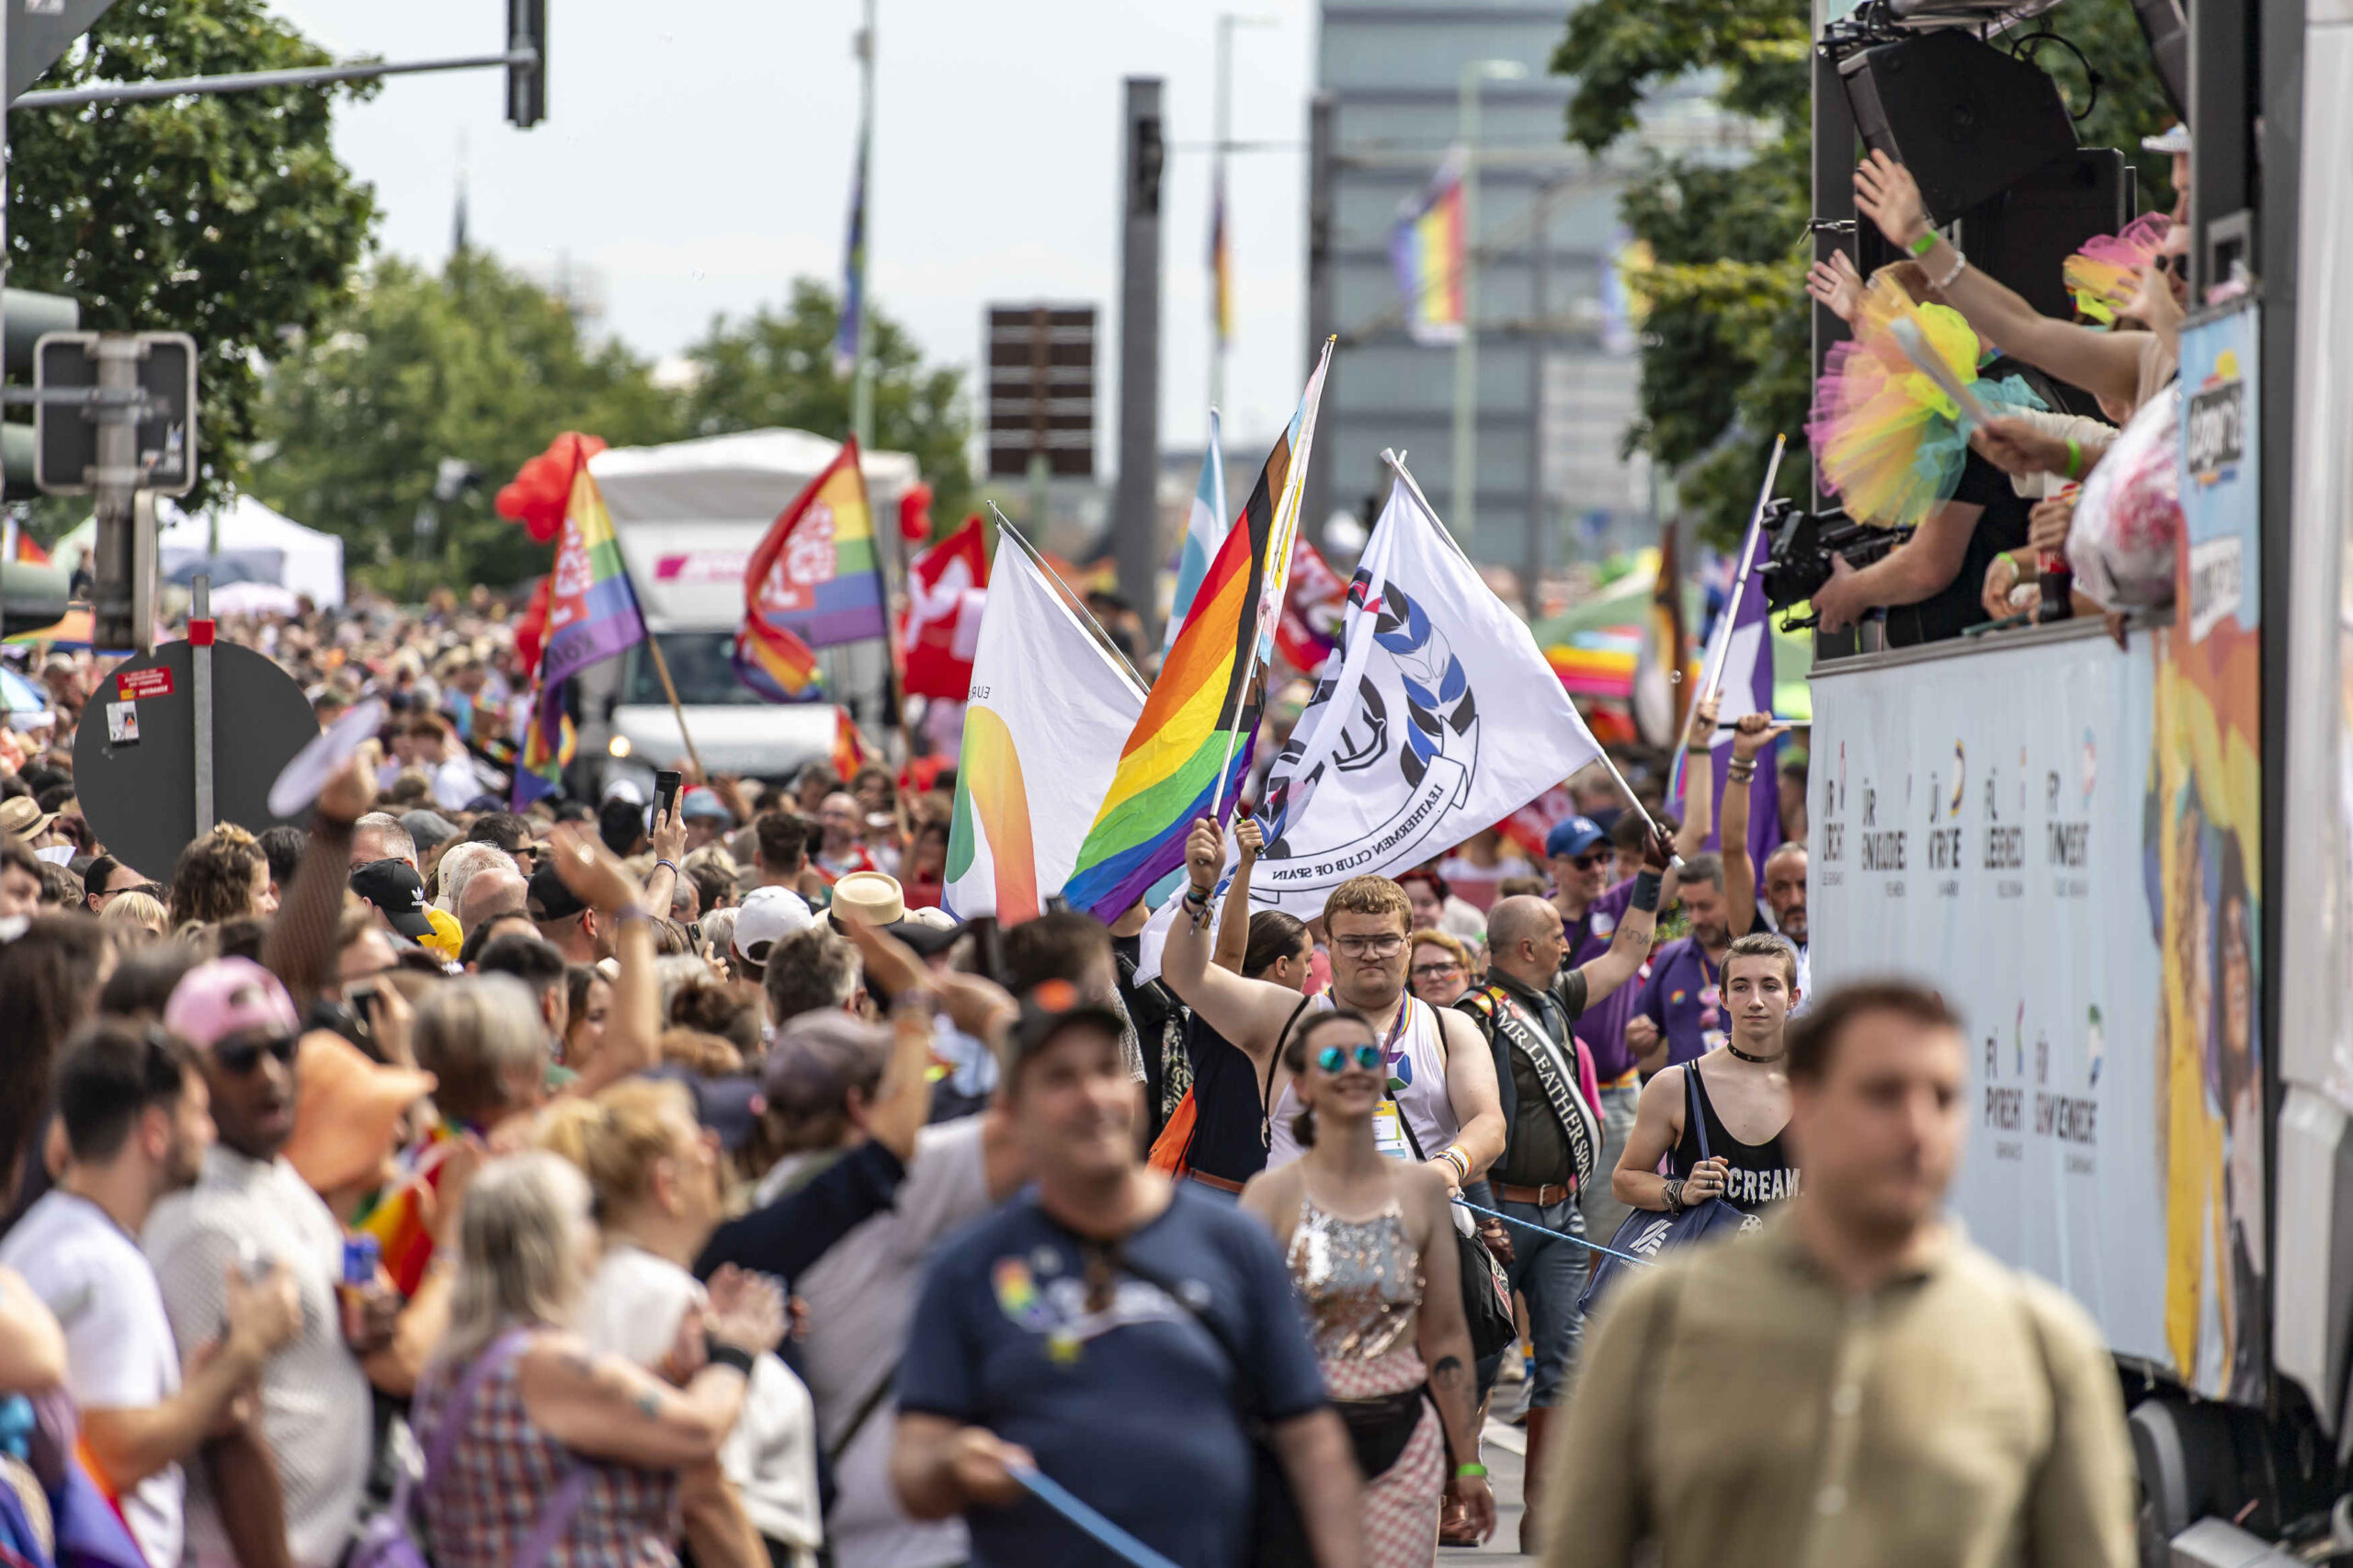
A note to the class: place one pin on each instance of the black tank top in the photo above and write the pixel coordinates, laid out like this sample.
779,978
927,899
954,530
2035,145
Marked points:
1760,1173
1226,1140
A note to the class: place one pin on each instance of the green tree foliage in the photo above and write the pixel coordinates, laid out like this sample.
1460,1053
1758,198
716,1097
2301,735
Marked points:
226,217
477,363
773,368
1726,348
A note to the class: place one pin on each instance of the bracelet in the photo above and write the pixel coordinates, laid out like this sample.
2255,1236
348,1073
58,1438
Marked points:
1473,1471
628,912
1924,244
719,1355
1195,895
2074,459
1741,772
672,864
1646,891
1674,1191
1959,260
1460,1162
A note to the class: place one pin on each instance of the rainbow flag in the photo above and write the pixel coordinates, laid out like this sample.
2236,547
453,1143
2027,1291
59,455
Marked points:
1221,266
401,1218
774,662
817,574
592,615
1426,250
851,751
1190,746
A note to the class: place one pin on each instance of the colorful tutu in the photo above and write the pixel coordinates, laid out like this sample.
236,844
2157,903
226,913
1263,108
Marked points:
2106,274
1886,439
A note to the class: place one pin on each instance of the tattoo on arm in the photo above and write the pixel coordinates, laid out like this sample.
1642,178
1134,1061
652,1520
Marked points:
1447,1366
649,1404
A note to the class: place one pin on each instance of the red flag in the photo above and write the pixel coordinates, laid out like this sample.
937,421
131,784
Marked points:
1317,600
946,585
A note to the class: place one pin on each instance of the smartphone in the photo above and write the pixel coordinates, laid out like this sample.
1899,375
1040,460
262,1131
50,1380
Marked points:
666,792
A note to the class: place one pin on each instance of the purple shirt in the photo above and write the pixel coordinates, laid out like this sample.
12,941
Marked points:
1603,1027
1682,997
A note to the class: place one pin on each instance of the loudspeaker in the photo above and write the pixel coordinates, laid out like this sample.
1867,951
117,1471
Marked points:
2024,236
1967,120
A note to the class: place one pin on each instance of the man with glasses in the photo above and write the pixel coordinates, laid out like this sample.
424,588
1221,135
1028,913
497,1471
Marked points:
1442,1108
249,1213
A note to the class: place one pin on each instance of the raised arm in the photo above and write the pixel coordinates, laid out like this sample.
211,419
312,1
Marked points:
1250,1013
2107,364
1751,733
594,875
1631,944
299,948
1233,920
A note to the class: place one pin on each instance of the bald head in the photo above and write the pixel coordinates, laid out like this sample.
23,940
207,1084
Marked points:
1524,939
489,893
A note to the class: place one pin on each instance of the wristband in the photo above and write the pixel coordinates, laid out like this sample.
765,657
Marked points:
1924,244
1646,888
719,1355
1473,1471
1958,261
672,864
2074,459
628,912
1460,1162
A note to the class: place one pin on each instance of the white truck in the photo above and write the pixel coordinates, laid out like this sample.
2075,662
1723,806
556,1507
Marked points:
688,516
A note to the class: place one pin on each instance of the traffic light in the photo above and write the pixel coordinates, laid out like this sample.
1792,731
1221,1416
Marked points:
24,317
527,85
30,597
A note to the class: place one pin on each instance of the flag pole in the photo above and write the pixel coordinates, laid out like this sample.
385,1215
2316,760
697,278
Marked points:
1711,668
1397,465
662,668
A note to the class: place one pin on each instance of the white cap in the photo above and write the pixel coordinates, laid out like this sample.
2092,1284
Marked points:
2174,138
767,916
625,790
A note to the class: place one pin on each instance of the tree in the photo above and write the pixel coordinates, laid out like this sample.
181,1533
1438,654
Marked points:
770,369
226,217
1726,356
477,363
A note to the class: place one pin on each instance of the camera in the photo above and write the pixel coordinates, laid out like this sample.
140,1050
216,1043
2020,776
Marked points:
1803,545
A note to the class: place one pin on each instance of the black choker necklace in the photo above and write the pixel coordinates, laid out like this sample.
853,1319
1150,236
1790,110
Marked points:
1761,1060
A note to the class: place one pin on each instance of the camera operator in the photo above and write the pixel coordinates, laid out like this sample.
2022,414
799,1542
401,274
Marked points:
1930,583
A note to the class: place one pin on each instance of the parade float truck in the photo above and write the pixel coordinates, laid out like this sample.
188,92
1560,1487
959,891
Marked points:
2125,854
688,516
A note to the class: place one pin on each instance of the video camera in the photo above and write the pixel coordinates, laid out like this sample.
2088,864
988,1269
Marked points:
1804,544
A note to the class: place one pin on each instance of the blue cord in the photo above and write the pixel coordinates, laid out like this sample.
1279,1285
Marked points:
1557,1235
1058,1497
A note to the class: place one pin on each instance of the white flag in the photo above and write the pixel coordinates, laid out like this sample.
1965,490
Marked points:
1049,714
1437,718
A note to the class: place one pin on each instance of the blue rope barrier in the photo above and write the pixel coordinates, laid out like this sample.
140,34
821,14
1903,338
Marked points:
1557,1235
1058,1497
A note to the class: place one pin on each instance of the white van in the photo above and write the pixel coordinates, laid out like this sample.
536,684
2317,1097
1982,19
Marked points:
688,516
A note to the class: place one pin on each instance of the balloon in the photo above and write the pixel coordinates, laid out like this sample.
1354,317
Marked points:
542,488
914,513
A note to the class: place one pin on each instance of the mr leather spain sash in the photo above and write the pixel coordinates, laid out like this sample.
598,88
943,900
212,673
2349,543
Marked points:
1558,1077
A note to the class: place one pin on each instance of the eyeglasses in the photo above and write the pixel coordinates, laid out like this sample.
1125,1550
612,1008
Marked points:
1435,971
244,1057
1371,947
1334,1058
1587,862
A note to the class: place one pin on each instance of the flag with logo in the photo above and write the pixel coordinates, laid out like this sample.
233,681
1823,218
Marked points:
592,615
1050,710
947,585
815,581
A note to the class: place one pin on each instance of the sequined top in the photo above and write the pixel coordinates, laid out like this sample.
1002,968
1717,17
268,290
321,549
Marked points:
1362,1280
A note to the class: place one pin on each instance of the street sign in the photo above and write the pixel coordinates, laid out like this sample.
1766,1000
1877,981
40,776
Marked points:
39,33
134,755
1042,390
66,434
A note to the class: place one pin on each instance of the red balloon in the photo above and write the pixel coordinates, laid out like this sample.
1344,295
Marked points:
542,488
914,513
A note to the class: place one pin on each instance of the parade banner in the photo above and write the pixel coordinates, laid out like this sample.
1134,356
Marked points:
1988,823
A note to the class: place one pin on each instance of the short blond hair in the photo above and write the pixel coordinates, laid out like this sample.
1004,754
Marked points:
1369,895
617,1137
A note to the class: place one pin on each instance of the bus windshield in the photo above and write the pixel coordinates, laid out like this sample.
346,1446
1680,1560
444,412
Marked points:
699,667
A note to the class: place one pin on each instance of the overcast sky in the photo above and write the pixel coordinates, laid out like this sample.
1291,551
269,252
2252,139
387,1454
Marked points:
697,158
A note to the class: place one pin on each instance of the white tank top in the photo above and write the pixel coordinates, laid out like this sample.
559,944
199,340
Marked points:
1416,1083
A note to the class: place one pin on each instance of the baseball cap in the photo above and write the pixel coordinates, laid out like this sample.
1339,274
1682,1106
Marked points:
1574,835
730,1107
625,790
225,995
546,898
394,887
1048,1010
765,917
818,1058
2174,138
702,802
428,828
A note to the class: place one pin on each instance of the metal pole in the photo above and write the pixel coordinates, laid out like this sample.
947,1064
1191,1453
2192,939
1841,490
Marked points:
142,572
1223,132
1135,520
116,486
1464,501
1315,500
1538,338
309,76
861,406
199,685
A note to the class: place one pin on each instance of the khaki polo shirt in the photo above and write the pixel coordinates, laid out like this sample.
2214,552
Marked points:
1738,1409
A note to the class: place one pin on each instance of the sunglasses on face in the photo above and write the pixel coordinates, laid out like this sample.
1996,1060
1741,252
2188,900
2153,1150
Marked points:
1334,1059
1588,861
1435,971
244,1057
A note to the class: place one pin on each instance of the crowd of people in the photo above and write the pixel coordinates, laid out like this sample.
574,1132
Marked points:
640,1181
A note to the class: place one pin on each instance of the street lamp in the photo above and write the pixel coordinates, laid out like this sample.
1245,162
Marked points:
1466,349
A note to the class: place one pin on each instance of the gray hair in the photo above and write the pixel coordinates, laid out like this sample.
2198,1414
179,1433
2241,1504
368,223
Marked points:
399,843
477,1034
1702,869
458,865
518,1239
674,971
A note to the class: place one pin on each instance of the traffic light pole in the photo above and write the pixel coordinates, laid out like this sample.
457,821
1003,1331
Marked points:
308,77
115,492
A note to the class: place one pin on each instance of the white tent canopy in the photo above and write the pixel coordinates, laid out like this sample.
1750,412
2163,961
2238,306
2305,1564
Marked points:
266,545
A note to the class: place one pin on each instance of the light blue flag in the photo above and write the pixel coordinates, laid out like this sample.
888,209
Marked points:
1204,531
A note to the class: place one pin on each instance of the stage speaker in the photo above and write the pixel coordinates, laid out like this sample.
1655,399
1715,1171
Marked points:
1966,119
2024,236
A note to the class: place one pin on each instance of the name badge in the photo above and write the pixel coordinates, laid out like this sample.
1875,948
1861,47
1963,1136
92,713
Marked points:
1711,1039
1389,1131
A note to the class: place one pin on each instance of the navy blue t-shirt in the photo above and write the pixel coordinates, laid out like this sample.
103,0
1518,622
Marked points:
1133,1408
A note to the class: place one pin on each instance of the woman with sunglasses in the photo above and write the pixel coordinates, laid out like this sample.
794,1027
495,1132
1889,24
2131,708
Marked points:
1440,969
1370,1244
